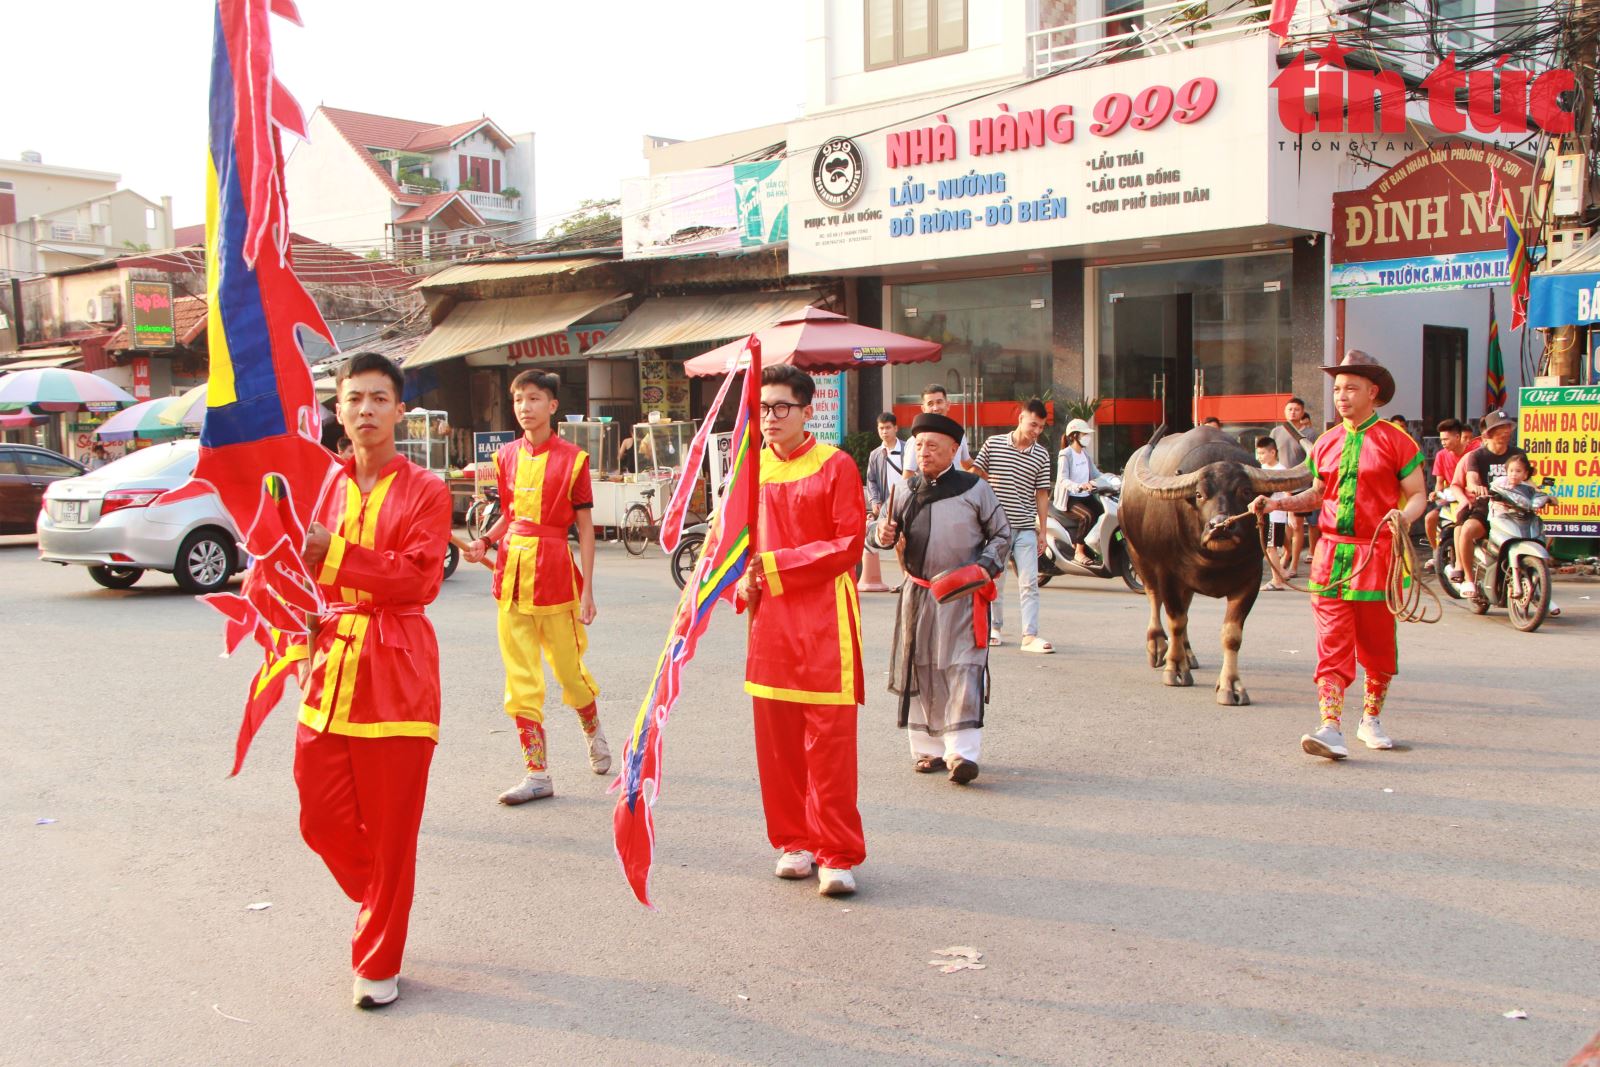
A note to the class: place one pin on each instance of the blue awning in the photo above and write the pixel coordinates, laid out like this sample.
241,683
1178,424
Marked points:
1564,299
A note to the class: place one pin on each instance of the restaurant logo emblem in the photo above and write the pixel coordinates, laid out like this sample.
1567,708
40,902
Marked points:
837,173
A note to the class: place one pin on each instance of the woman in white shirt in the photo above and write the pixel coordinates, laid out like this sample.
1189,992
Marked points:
1075,475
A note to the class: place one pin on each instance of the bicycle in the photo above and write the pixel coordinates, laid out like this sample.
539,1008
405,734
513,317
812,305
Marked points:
483,513
639,523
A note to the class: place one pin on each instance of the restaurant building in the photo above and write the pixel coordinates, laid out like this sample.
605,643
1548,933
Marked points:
1071,218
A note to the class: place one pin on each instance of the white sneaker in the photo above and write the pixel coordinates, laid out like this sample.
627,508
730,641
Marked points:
532,787
795,865
1327,742
835,881
1370,733
370,993
599,752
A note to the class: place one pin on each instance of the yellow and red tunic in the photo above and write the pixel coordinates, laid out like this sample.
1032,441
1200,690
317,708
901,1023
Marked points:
1361,468
805,640
542,488
375,671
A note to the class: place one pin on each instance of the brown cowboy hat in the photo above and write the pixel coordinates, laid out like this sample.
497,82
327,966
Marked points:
1359,363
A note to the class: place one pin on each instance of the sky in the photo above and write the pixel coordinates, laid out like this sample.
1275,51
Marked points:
115,86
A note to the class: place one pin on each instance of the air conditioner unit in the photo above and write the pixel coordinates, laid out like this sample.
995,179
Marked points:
101,309
1563,243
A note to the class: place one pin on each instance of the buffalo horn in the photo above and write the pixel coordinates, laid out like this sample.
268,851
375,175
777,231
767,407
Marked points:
1161,486
1268,482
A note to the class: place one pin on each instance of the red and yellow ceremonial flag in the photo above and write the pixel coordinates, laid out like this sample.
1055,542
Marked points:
259,444
729,545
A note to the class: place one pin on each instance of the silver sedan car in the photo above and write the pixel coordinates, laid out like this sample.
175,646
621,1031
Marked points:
107,520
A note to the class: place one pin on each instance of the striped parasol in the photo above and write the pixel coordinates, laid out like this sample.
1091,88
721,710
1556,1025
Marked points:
188,409
54,389
143,420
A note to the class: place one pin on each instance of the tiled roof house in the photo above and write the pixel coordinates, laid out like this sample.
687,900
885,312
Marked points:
412,190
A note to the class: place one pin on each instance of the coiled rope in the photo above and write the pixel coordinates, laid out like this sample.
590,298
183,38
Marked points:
1404,601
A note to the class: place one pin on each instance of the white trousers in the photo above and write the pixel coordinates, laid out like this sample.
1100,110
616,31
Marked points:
966,744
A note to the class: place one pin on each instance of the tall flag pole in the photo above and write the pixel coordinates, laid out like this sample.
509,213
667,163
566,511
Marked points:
1494,371
729,546
259,444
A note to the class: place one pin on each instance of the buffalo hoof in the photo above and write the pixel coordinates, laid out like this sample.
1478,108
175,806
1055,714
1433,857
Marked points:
1194,661
1158,652
1177,678
1233,696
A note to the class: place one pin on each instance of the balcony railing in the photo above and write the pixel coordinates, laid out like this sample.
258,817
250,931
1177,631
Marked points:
1150,30
491,203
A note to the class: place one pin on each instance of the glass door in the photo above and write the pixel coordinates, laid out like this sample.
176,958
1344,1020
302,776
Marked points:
1180,342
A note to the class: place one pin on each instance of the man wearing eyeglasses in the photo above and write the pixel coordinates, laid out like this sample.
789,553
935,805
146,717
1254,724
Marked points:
804,663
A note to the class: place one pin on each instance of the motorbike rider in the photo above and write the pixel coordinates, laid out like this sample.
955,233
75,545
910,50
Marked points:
1481,466
1452,446
1075,475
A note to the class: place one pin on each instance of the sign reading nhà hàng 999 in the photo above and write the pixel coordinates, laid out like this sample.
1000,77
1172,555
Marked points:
1559,428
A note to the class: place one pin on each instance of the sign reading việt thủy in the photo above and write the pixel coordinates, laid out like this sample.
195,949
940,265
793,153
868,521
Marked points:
1559,428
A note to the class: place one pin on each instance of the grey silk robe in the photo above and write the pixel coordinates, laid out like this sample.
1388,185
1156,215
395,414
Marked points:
949,522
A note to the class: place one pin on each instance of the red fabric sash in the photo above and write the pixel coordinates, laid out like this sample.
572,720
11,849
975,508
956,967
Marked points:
529,528
982,597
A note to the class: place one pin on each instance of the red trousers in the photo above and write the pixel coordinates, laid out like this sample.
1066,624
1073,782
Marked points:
1351,632
360,806
806,755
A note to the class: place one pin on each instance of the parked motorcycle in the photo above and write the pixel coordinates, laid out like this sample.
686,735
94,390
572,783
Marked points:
483,513
1107,548
1511,566
688,552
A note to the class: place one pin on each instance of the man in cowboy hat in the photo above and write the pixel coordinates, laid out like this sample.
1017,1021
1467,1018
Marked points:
953,539
1362,468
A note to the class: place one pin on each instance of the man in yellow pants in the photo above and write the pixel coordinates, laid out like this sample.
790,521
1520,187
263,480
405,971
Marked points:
545,601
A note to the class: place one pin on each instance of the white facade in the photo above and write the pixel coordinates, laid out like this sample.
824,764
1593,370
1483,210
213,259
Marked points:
334,196
65,217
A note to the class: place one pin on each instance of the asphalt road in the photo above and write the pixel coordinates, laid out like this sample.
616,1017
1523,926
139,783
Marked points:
1150,877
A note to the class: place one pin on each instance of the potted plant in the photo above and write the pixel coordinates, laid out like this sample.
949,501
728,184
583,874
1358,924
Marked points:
511,192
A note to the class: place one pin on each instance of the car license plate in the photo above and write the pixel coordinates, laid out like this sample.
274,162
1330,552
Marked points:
70,510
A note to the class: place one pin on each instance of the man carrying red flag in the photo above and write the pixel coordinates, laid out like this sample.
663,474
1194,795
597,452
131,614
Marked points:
370,719
804,663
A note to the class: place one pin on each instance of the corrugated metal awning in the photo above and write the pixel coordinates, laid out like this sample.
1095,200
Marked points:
465,273
683,320
40,364
479,324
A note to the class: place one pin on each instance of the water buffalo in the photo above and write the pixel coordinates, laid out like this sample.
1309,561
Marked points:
1178,496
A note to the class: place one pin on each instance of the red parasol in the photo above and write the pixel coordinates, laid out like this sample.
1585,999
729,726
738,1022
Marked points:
817,340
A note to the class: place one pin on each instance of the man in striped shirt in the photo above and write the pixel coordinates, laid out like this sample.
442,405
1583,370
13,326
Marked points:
1017,466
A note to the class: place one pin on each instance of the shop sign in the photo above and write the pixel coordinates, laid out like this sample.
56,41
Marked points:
572,343
762,193
687,213
1168,144
1559,428
150,314
1593,374
1432,205
486,443
1419,274
663,387
1563,299
827,408
141,377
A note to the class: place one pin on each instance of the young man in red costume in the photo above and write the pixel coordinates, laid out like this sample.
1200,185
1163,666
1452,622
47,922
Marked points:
1361,470
545,601
804,664
370,718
